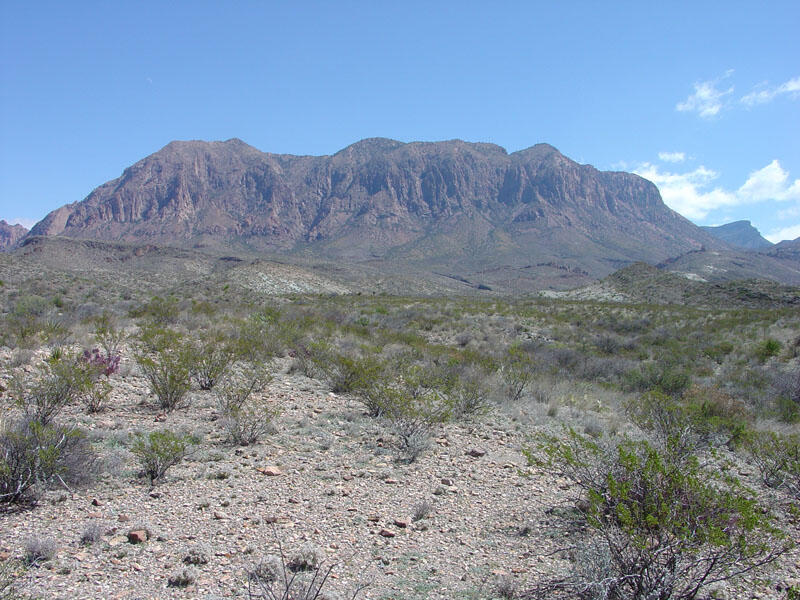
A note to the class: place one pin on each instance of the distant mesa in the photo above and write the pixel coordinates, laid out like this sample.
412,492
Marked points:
453,206
740,234
10,235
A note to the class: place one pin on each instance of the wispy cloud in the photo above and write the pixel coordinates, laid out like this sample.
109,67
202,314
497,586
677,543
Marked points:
764,94
672,157
787,233
693,195
707,101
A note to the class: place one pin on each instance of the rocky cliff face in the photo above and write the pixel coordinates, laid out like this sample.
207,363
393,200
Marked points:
380,198
741,234
10,235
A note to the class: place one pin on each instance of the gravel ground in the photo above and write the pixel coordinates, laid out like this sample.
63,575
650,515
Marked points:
327,477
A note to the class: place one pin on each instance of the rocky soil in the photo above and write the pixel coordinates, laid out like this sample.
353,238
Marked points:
467,514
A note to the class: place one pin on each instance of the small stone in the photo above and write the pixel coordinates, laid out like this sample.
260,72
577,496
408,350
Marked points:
271,471
402,524
220,516
390,481
155,494
448,482
137,536
373,518
94,515
386,533
476,453
123,518
96,502
160,417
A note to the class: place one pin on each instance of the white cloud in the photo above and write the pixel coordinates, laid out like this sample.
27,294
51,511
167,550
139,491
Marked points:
707,100
673,157
692,194
787,233
766,94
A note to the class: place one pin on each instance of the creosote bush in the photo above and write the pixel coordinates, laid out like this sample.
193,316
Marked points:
211,358
61,380
34,456
166,361
246,415
159,451
777,457
666,528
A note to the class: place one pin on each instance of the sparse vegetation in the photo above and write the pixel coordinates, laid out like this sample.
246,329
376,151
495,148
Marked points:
159,451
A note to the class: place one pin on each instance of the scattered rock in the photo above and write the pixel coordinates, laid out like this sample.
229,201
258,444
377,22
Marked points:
447,481
401,523
386,533
138,536
475,453
271,471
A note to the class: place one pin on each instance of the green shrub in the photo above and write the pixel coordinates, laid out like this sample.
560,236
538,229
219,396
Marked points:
211,358
61,381
109,335
158,310
166,361
159,451
345,372
665,528
777,457
517,373
246,416
767,349
659,376
33,456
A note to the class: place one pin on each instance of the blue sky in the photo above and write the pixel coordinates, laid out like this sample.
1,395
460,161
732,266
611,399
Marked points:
703,98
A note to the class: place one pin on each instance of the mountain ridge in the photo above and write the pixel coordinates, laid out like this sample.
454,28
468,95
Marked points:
442,204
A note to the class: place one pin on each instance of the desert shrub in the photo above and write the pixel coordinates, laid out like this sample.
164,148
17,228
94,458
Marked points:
767,349
198,555
716,414
109,335
344,371
33,456
211,358
666,528
159,451
517,373
158,310
182,577
660,376
777,457
277,577
413,405
165,360
103,363
246,415
785,388
61,381
92,533
465,391
39,550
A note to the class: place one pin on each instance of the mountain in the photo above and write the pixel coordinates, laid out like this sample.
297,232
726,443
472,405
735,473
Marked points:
787,250
741,234
10,235
463,209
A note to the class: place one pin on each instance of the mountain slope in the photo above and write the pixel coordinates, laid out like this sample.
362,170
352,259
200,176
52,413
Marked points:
741,234
10,235
441,205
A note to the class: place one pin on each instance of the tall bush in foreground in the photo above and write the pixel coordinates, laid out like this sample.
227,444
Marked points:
159,451
663,529
34,456
165,360
246,415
